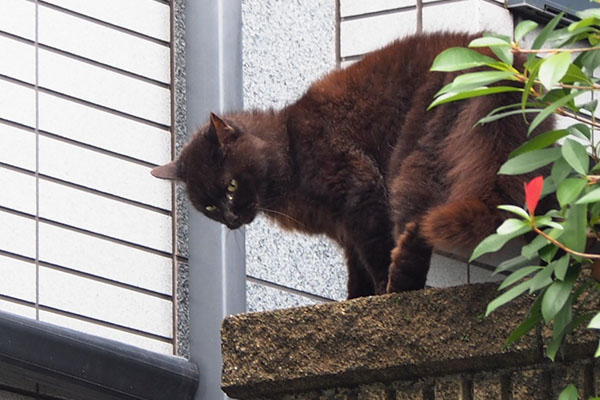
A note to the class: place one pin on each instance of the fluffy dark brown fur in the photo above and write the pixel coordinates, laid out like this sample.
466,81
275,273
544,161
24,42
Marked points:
359,159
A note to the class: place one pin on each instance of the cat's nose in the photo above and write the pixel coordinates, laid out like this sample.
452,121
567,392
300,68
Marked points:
232,220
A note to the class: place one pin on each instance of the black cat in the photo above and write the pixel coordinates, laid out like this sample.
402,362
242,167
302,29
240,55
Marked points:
359,159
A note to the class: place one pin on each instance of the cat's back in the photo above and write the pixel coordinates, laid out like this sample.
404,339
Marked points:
401,62
365,104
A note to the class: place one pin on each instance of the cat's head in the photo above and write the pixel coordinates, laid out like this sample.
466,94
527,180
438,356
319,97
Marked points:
223,169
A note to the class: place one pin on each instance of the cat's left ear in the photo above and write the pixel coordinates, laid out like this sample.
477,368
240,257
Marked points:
225,133
167,171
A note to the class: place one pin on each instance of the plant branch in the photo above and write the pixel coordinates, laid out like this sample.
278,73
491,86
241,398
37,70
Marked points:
565,86
577,117
538,51
562,246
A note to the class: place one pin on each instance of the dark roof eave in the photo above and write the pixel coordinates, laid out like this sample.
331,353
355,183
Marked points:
89,366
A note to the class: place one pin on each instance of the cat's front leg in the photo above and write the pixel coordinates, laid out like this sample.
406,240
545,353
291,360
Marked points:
364,224
373,247
360,282
409,261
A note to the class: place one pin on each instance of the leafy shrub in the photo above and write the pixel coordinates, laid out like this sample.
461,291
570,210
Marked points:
559,265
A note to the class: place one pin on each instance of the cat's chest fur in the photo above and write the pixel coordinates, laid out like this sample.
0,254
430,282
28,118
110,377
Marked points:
331,174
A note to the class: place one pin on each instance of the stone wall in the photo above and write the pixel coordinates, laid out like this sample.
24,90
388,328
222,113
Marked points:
432,344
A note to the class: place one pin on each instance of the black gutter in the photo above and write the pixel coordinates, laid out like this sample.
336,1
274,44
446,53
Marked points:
90,367
544,10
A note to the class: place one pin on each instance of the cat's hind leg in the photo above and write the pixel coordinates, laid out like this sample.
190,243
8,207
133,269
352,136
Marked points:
460,224
409,261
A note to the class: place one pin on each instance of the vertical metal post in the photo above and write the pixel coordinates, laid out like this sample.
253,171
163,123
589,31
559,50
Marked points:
217,256
419,16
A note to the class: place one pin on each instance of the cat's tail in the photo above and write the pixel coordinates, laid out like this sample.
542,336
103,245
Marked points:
460,225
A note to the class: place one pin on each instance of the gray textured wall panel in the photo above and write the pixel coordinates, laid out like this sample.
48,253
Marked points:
264,298
287,45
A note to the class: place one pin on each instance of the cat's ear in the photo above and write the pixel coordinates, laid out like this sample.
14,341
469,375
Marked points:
167,171
225,134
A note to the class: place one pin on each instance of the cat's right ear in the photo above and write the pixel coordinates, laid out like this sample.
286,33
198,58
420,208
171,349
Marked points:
224,133
167,171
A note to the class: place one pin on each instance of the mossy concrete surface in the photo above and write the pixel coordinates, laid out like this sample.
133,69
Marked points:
400,337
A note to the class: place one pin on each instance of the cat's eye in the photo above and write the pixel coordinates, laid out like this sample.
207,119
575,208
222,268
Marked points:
210,208
232,187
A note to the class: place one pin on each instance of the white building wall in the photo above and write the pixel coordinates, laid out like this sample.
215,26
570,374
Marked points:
86,234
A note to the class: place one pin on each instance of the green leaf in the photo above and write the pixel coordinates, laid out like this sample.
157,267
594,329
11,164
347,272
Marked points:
554,345
580,130
458,58
543,35
506,38
530,161
575,74
563,37
586,21
595,322
507,296
591,60
556,94
546,221
530,250
563,324
475,80
547,253
558,338
518,275
570,393
534,68
504,54
511,264
595,213
534,317
540,142
541,279
523,29
554,68
590,106
575,228
589,13
515,106
495,242
576,155
511,226
549,110
560,170
515,210
569,189
561,266
495,117
549,186
482,91
488,41
555,297
563,318
591,197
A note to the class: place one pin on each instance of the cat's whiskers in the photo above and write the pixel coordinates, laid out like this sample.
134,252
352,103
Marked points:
268,210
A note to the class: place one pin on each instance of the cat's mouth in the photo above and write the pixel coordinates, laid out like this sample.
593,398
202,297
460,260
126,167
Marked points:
234,226
236,221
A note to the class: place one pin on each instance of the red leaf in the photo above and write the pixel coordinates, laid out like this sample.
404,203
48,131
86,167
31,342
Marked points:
533,191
